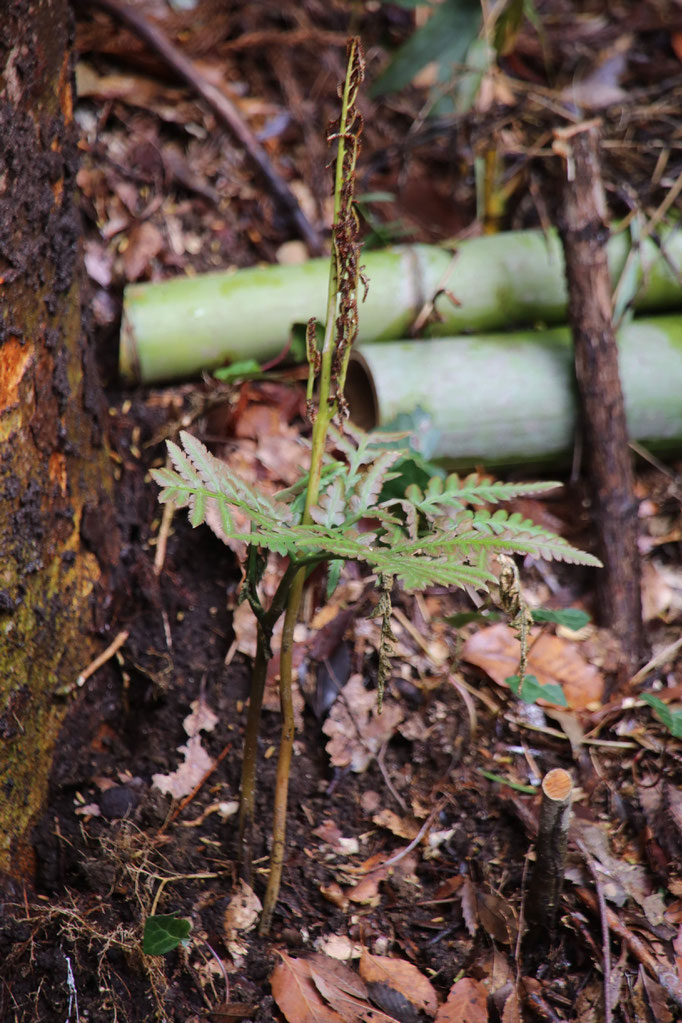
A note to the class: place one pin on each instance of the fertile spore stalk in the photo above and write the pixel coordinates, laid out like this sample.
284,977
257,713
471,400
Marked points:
327,369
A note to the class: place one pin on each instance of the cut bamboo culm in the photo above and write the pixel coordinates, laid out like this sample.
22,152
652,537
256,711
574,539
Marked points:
178,328
547,878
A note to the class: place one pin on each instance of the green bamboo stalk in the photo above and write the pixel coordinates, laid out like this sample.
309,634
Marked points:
177,328
505,399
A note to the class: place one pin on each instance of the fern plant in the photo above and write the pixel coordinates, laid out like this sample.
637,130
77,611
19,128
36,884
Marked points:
444,534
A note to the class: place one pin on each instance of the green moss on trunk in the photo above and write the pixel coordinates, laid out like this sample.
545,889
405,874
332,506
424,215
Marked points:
52,460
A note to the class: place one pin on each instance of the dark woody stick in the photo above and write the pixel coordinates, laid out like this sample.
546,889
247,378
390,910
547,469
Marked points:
546,882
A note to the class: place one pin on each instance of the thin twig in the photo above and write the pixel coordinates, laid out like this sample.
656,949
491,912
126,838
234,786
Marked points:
426,826
163,881
197,788
606,947
163,534
387,778
667,978
222,108
105,656
666,654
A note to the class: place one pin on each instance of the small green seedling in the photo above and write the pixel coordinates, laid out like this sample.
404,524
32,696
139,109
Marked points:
672,719
570,617
529,690
242,370
163,933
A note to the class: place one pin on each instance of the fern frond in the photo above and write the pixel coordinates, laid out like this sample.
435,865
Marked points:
457,550
218,477
455,492
507,533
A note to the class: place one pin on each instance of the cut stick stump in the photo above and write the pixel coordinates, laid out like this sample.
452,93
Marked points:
547,878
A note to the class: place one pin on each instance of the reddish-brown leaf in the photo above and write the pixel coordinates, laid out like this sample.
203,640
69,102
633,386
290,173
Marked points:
497,917
550,658
296,995
512,1011
403,977
467,1003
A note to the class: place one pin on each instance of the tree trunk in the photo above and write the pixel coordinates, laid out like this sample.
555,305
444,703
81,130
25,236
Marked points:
605,436
54,467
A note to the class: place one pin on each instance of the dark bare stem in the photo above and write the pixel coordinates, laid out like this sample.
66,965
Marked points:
547,879
608,461
285,752
247,802
266,623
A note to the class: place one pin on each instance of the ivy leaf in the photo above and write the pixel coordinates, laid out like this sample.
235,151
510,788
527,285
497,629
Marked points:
570,617
532,690
672,719
163,933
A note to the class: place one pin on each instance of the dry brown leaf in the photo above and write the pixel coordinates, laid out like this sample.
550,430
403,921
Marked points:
241,915
196,763
337,974
589,1007
339,946
357,732
331,835
676,43
512,1010
202,718
322,990
497,917
344,991
551,659
296,995
366,891
144,243
466,1003
403,977
242,910
334,893
619,878
399,826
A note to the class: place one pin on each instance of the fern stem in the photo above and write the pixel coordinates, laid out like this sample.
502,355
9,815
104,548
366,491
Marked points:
285,754
247,803
343,263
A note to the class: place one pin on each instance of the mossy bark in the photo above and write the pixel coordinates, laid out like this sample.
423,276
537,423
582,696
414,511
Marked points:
54,468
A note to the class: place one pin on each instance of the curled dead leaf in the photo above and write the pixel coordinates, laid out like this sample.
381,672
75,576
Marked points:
401,976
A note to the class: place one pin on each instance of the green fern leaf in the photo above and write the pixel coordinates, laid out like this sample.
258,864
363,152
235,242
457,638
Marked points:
473,490
331,510
457,550
219,478
503,533
370,483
